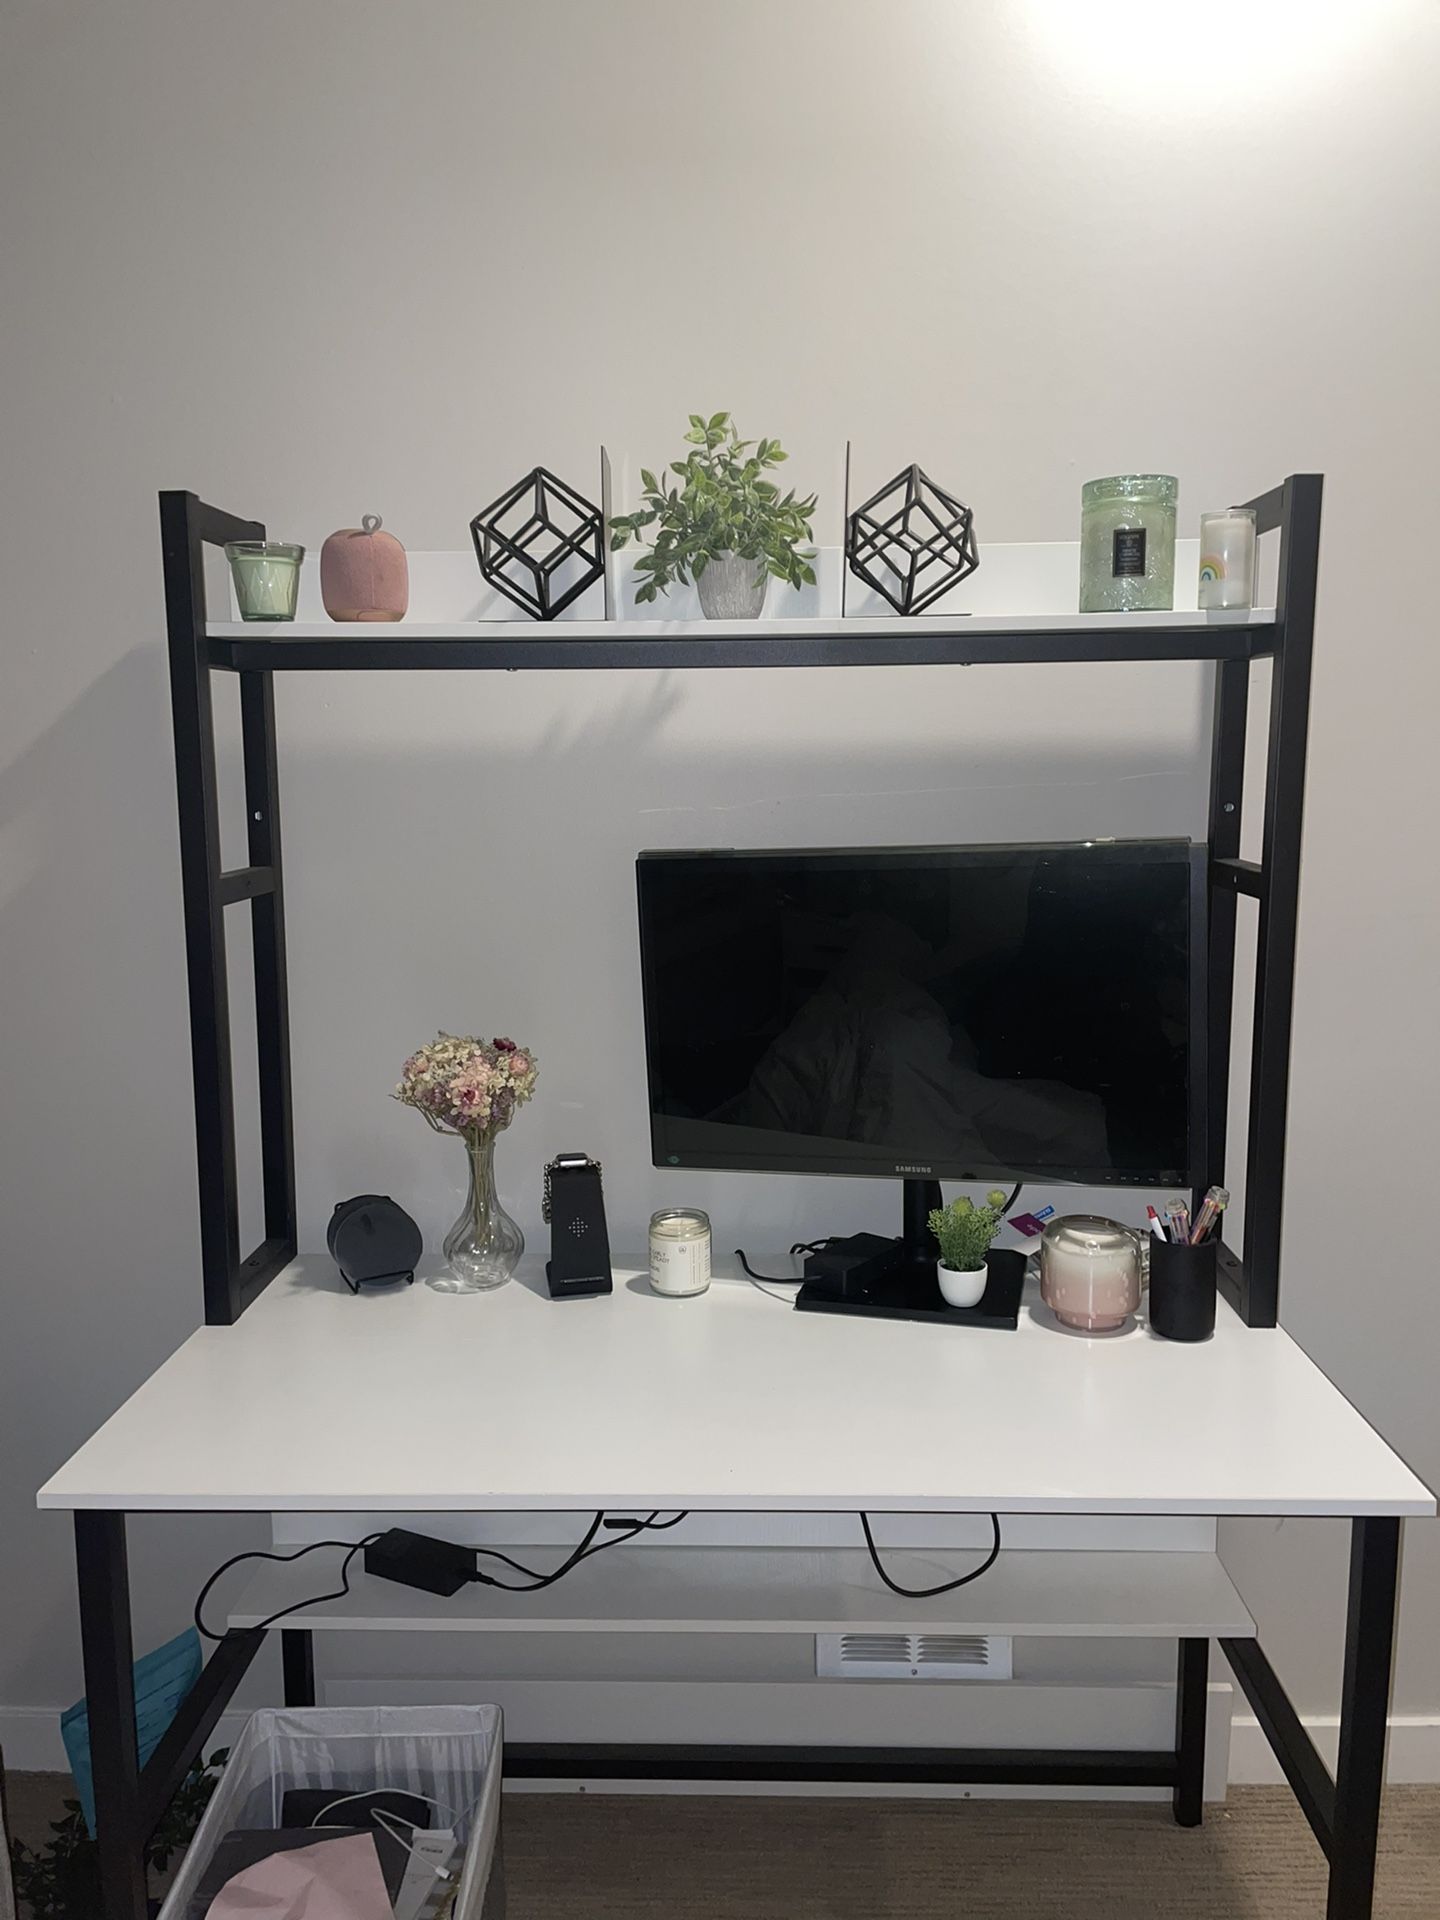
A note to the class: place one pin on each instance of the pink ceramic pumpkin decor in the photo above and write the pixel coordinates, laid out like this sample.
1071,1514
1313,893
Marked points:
364,574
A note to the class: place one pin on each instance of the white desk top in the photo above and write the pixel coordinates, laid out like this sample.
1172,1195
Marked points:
414,1401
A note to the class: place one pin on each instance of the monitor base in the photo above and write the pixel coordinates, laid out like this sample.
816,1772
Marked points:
899,1292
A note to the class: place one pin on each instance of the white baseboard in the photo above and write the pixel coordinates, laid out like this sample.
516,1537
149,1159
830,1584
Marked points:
1413,1756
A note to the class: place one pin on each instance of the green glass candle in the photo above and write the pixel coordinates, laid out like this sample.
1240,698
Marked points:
1127,543
267,577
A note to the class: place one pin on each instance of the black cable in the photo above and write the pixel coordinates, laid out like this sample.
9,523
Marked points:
585,1551
773,1279
947,1586
572,1559
352,1547
1014,1196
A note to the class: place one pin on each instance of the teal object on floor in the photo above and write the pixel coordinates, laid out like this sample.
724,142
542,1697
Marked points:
162,1680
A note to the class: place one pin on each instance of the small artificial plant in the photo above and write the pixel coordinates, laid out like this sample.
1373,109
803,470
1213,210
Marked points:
721,501
966,1231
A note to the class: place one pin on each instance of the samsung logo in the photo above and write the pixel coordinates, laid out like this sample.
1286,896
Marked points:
903,1169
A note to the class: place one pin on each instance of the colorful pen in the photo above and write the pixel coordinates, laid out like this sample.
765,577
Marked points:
1213,1205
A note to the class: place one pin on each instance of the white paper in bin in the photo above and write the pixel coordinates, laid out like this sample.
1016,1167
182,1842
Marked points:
451,1754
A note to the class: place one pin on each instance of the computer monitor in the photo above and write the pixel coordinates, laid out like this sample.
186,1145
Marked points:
964,1013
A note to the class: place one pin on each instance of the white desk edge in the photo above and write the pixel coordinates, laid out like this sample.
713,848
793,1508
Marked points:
414,1401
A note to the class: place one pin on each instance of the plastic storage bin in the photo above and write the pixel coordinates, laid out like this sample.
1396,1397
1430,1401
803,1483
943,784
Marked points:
452,1754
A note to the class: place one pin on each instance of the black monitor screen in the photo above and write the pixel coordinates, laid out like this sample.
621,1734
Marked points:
951,1012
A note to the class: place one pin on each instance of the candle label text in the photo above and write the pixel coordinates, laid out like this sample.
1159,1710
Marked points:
1128,551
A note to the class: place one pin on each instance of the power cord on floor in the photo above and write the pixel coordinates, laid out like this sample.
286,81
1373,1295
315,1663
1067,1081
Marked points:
946,1586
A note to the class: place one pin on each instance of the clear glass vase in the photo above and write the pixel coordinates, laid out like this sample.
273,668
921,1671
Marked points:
484,1246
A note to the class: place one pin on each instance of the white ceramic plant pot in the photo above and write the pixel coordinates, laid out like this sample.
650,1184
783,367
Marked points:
962,1287
732,588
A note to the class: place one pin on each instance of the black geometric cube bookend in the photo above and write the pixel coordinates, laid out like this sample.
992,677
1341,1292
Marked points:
911,541
540,544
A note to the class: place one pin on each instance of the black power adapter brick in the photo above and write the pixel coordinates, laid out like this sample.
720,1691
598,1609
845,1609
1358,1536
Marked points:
415,1560
848,1267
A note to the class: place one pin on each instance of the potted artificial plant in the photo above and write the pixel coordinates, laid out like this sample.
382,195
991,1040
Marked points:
721,522
965,1232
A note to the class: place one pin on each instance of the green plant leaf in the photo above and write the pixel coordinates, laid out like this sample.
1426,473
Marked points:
717,500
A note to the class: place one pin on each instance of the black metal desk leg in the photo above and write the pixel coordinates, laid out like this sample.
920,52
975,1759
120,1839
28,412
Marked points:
297,1660
110,1695
1191,1682
1364,1710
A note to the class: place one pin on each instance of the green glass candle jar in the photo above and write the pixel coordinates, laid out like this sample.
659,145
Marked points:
1127,543
267,577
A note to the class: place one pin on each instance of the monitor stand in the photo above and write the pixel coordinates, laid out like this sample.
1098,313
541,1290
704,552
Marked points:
917,1248
898,1280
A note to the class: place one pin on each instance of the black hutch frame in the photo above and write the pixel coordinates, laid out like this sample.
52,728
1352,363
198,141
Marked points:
1343,1811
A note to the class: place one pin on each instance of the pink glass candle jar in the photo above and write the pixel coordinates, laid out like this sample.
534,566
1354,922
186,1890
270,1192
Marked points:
1090,1272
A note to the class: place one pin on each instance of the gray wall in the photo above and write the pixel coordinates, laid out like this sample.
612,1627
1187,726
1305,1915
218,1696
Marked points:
313,262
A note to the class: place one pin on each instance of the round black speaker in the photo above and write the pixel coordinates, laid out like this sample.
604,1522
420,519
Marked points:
373,1241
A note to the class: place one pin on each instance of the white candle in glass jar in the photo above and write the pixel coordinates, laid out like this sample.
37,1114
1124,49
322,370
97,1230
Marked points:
1227,559
680,1251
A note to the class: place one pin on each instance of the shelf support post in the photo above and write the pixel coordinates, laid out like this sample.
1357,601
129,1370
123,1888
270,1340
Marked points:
1299,521
1364,1713
1191,1700
103,1574
297,1662
187,525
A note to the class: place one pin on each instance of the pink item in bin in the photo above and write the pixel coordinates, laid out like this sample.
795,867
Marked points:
333,1880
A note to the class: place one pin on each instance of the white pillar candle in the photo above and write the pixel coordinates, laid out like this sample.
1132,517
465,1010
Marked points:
1227,558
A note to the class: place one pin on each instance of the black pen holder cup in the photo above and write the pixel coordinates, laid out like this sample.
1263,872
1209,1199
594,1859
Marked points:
1182,1289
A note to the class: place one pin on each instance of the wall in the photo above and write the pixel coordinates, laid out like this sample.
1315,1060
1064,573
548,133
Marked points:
313,262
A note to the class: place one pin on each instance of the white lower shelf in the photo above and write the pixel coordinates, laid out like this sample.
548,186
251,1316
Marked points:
653,1589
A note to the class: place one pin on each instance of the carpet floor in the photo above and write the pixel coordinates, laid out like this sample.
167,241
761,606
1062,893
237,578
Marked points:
593,1857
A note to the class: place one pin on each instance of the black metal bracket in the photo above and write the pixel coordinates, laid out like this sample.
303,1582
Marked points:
953,1766
1292,1746
231,1282
1252,1285
1343,1811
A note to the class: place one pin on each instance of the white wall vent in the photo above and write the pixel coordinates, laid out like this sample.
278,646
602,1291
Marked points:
914,1656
